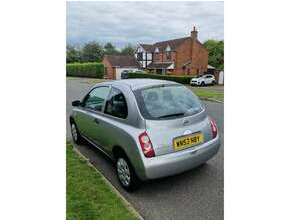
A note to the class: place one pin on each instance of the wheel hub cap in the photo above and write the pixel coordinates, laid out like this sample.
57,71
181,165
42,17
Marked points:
123,171
74,132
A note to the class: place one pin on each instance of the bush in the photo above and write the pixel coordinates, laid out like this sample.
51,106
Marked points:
178,79
92,70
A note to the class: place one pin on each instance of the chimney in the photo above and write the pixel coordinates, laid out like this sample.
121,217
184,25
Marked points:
194,33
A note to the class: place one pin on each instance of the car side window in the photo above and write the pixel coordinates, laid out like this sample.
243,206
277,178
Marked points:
96,98
116,104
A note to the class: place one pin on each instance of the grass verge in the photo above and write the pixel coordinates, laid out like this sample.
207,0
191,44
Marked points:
87,195
209,95
91,81
213,92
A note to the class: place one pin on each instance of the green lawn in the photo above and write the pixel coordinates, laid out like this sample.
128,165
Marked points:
87,195
95,81
214,92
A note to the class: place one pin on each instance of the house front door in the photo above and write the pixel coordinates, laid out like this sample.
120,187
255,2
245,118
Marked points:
159,71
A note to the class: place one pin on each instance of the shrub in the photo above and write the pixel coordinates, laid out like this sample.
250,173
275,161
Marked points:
178,79
93,70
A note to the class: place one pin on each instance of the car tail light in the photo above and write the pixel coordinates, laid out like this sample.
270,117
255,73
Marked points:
146,145
214,130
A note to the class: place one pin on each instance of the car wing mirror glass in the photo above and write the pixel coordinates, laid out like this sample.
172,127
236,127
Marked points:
76,103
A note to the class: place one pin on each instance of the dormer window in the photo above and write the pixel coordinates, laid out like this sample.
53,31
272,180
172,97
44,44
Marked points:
156,54
168,52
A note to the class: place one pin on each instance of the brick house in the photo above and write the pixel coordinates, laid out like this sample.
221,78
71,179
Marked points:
115,65
183,56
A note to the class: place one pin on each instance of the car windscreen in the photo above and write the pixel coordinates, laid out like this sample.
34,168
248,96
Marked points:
167,102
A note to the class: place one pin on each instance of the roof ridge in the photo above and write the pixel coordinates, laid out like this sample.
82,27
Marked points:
182,38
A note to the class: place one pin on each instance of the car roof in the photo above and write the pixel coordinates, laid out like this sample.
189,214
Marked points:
135,84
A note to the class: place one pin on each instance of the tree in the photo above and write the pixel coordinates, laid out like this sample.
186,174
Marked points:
216,53
72,54
110,49
128,50
92,52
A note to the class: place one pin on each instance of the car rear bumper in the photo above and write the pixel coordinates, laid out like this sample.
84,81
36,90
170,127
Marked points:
180,161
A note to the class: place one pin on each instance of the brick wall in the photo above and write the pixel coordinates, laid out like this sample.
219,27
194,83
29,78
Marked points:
199,58
109,70
194,52
183,54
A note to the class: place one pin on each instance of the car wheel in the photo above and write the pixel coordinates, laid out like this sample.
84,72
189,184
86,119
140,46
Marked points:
213,82
202,84
126,174
75,133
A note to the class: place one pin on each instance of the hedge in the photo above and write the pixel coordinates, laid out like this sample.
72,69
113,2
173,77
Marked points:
178,79
93,70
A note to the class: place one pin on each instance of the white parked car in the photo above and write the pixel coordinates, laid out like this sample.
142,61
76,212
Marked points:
203,80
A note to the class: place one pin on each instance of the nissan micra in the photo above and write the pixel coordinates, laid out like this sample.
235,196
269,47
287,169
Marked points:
149,128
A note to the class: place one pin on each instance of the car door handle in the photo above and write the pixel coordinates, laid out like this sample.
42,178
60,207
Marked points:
96,121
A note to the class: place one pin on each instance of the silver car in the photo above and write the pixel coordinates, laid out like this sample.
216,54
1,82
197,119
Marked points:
150,128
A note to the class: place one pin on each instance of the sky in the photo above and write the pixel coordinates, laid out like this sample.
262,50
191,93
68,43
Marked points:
131,22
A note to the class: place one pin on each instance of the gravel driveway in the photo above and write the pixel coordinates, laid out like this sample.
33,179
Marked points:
196,194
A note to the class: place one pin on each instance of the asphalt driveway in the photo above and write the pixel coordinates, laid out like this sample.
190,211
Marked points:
196,194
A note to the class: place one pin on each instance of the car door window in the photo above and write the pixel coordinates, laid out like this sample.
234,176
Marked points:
96,98
116,104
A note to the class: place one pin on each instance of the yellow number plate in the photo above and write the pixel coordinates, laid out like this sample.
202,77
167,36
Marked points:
186,141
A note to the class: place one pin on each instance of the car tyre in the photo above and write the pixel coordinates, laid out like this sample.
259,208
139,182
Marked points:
202,83
77,138
126,173
213,82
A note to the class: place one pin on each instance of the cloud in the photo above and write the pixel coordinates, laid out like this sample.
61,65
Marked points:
142,22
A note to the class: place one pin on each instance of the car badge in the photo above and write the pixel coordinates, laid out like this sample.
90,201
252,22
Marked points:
186,132
185,122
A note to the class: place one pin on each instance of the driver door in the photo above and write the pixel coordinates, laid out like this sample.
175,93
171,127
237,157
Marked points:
88,119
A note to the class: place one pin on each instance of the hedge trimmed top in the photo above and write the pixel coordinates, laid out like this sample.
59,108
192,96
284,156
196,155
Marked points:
178,79
92,70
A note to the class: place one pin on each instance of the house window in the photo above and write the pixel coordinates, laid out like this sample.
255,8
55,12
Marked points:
168,52
156,56
168,55
139,56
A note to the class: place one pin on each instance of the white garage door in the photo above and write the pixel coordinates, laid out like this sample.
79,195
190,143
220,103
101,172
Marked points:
120,70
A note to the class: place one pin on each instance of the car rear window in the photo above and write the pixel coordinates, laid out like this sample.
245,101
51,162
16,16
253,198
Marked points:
167,102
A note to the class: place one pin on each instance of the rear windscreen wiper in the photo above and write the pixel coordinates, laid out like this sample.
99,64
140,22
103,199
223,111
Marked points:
171,115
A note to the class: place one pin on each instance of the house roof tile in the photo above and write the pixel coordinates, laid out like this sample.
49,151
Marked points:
147,47
122,61
173,44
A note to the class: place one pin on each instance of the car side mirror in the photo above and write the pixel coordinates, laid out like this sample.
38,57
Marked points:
76,103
